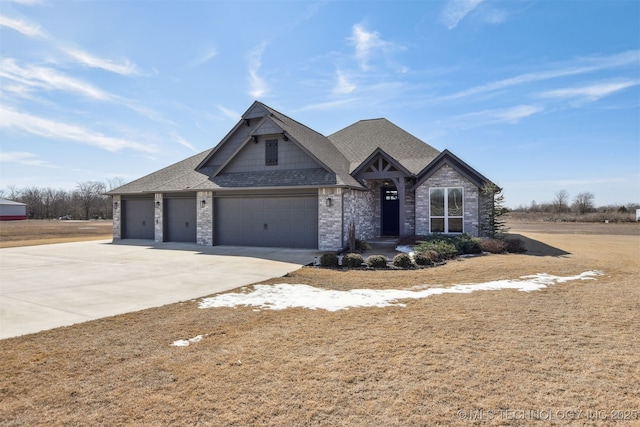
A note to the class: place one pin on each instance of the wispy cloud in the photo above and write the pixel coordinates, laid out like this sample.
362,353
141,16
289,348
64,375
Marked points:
580,66
29,29
510,115
25,122
369,44
48,79
204,58
343,85
26,2
494,16
180,140
591,92
455,10
79,56
230,113
257,85
24,158
87,59
323,106
28,79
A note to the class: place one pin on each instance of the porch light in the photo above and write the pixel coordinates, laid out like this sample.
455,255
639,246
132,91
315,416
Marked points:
115,205
328,202
158,204
203,203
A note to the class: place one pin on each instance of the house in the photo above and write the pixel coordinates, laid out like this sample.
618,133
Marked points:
12,211
273,181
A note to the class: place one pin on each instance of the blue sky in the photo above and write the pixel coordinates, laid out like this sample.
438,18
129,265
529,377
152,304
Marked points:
539,96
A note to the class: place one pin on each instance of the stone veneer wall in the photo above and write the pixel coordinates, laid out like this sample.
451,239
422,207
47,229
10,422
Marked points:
117,218
205,218
446,176
410,212
158,213
360,207
329,219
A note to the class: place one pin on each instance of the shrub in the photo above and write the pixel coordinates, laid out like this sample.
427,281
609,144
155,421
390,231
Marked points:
514,245
362,245
329,260
402,261
466,244
432,255
422,259
493,246
352,260
445,249
377,261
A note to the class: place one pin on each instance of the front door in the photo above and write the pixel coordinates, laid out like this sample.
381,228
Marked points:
390,212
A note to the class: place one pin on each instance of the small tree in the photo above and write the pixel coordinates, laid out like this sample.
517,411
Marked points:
561,201
352,237
583,203
88,194
493,211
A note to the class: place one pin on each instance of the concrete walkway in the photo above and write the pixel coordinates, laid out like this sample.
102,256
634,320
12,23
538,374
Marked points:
43,287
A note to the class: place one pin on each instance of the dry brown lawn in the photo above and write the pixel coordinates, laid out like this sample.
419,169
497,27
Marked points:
44,232
565,355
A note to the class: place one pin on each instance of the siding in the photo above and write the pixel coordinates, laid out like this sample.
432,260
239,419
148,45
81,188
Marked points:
252,158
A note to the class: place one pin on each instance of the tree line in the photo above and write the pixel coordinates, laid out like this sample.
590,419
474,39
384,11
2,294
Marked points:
581,204
86,201
580,208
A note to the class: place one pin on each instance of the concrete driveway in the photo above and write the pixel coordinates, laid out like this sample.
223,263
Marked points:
43,287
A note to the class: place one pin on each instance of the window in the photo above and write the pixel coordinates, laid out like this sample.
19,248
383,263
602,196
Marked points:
271,152
390,194
446,210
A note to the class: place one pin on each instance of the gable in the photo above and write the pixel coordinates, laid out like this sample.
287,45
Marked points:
460,167
379,165
252,157
359,140
236,137
227,147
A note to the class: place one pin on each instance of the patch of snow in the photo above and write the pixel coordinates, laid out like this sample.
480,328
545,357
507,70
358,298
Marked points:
282,296
185,343
406,249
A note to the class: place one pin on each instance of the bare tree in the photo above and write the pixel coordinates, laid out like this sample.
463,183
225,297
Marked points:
583,203
88,194
561,201
115,182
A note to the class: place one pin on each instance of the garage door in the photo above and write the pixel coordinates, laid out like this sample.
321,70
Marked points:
180,219
285,222
137,219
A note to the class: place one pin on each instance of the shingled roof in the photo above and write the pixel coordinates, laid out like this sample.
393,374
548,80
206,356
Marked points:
358,141
179,176
338,156
318,145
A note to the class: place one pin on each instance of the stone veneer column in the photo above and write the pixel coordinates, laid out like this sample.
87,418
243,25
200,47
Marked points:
360,207
329,219
159,209
117,217
205,218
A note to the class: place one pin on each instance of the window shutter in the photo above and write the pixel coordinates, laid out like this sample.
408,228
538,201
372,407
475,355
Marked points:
271,152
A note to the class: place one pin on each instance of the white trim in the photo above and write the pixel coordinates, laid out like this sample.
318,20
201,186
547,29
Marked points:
446,217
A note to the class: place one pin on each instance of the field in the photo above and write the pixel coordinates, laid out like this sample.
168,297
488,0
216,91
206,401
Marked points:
564,355
43,232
